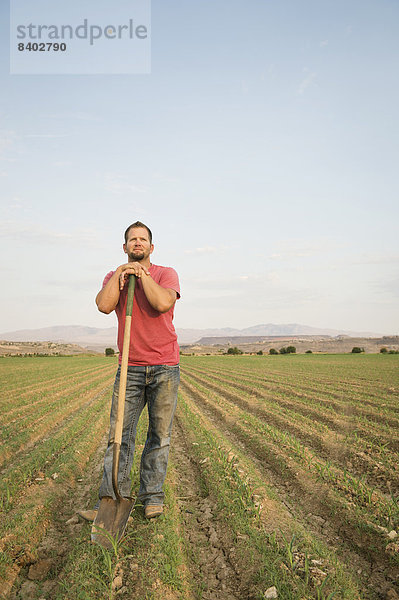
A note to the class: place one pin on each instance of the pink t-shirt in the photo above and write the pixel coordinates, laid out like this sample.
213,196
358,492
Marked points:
153,340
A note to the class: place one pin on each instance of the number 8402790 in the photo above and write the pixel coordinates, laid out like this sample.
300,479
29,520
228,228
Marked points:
42,47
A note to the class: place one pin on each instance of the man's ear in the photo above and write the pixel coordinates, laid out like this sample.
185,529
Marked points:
152,248
124,248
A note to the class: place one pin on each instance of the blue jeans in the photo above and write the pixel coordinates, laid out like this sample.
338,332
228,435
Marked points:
157,387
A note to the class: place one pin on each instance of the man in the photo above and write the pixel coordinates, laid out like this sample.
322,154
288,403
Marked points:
153,368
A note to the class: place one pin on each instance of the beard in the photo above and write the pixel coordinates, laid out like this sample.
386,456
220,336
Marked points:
136,255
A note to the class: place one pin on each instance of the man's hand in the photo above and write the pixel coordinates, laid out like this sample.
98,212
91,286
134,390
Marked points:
132,268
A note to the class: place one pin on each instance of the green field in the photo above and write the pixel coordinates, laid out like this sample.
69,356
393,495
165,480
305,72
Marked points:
283,472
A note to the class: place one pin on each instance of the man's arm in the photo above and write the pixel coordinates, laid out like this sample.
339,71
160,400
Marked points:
161,299
108,297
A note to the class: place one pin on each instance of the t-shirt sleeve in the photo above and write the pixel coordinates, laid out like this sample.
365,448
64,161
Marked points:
107,278
170,279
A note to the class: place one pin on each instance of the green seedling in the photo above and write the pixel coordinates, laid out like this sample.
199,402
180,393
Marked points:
306,568
290,552
369,495
320,594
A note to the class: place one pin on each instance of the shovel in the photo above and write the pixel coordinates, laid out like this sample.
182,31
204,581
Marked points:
110,522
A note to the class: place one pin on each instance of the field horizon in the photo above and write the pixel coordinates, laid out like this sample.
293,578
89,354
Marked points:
82,334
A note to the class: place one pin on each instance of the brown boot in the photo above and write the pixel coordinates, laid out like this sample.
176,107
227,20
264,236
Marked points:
153,510
88,515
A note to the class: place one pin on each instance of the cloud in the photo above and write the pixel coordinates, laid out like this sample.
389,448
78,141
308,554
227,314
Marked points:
373,259
166,178
12,205
366,259
234,284
16,203
12,143
32,233
207,250
7,138
290,255
307,81
248,294
244,87
390,287
82,284
323,43
78,116
294,248
118,184
46,135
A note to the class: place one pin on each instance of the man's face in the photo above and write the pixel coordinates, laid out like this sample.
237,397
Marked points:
138,246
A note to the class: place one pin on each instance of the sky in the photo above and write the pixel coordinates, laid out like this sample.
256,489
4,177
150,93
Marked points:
261,149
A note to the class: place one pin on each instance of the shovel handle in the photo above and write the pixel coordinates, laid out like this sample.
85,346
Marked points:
122,386
130,295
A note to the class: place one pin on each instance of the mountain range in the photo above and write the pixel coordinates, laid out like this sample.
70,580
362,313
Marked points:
95,338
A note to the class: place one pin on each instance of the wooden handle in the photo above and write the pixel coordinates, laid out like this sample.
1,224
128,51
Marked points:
122,384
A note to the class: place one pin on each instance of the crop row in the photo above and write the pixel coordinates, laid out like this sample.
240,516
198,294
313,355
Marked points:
264,487
46,457
215,536
328,434
377,426
36,489
16,371
26,415
281,443
268,549
343,501
27,395
338,375
381,407
372,372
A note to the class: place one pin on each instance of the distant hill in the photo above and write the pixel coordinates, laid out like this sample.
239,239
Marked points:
90,337
8,348
188,336
254,339
97,338
302,343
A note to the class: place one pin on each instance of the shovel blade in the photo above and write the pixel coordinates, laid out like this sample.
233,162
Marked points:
110,522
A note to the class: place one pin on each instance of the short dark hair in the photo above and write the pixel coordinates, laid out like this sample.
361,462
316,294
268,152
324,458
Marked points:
138,224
